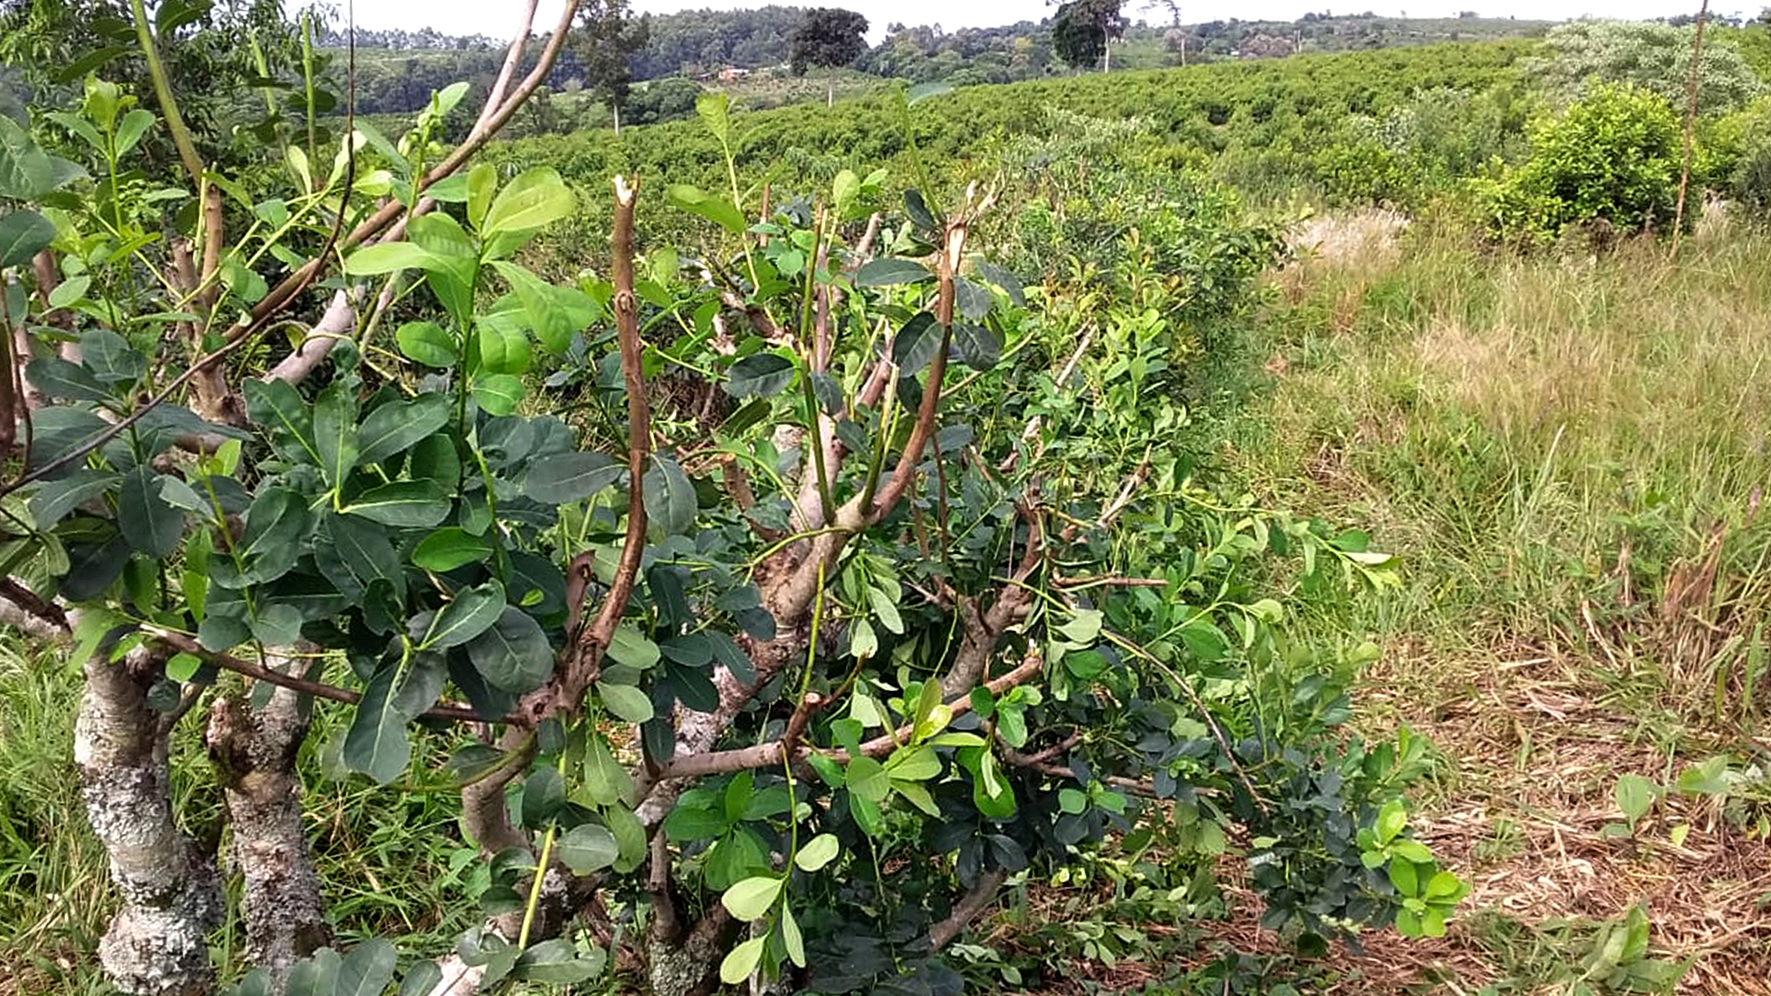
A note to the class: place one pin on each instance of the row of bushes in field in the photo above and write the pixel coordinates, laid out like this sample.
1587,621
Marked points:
1528,137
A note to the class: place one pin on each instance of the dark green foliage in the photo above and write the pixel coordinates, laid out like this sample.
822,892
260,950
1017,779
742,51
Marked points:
1081,29
828,37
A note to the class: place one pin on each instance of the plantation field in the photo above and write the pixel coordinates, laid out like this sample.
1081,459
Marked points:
1267,527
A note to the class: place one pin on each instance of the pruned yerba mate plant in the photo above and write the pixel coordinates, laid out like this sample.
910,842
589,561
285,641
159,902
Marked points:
771,602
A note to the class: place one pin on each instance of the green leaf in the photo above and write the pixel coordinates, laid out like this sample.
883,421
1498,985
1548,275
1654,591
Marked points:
979,347
1635,797
471,612
625,701
399,425
502,345
752,898
669,496
353,552
570,477
556,962
555,313
630,648
791,938
534,200
1445,887
335,431
447,549
146,520
482,181
914,764
388,257
421,979
58,378
867,778
1391,820
498,394
818,852
367,970
916,343
53,500
587,848
278,404
26,172
376,743
885,609
427,343
316,976
741,961
1711,777
1403,877
23,234
110,358
713,107
434,458
411,504
511,653
544,795
844,189
763,374
605,780
717,210
888,271
277,625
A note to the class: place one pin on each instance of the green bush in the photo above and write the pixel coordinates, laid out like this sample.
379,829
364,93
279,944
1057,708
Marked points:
1735,157
1611,158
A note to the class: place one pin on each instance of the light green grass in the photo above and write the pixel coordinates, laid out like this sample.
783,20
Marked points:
1568,451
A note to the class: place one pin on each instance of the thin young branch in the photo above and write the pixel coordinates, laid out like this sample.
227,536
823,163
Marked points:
35,605
1107,581
1690,123
974,902
181,134
512,58
320,690
1132,785
924,429
770,754
584,667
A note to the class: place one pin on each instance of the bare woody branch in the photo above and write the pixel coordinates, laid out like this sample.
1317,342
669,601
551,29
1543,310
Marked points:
583,668
320,690
770,754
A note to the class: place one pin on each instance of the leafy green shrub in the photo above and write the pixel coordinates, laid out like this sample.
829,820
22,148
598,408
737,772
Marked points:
1367,172
1612,158
1735,158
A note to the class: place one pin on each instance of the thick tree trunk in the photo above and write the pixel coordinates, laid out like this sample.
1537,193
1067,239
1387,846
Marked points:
157,942
254,754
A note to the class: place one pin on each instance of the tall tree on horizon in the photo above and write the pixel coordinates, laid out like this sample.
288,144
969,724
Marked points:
1082,29
829,37
605,39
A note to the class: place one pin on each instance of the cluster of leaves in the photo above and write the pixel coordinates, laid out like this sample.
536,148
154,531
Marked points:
1611,158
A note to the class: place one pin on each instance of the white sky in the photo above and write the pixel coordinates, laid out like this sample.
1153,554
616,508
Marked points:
497,18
